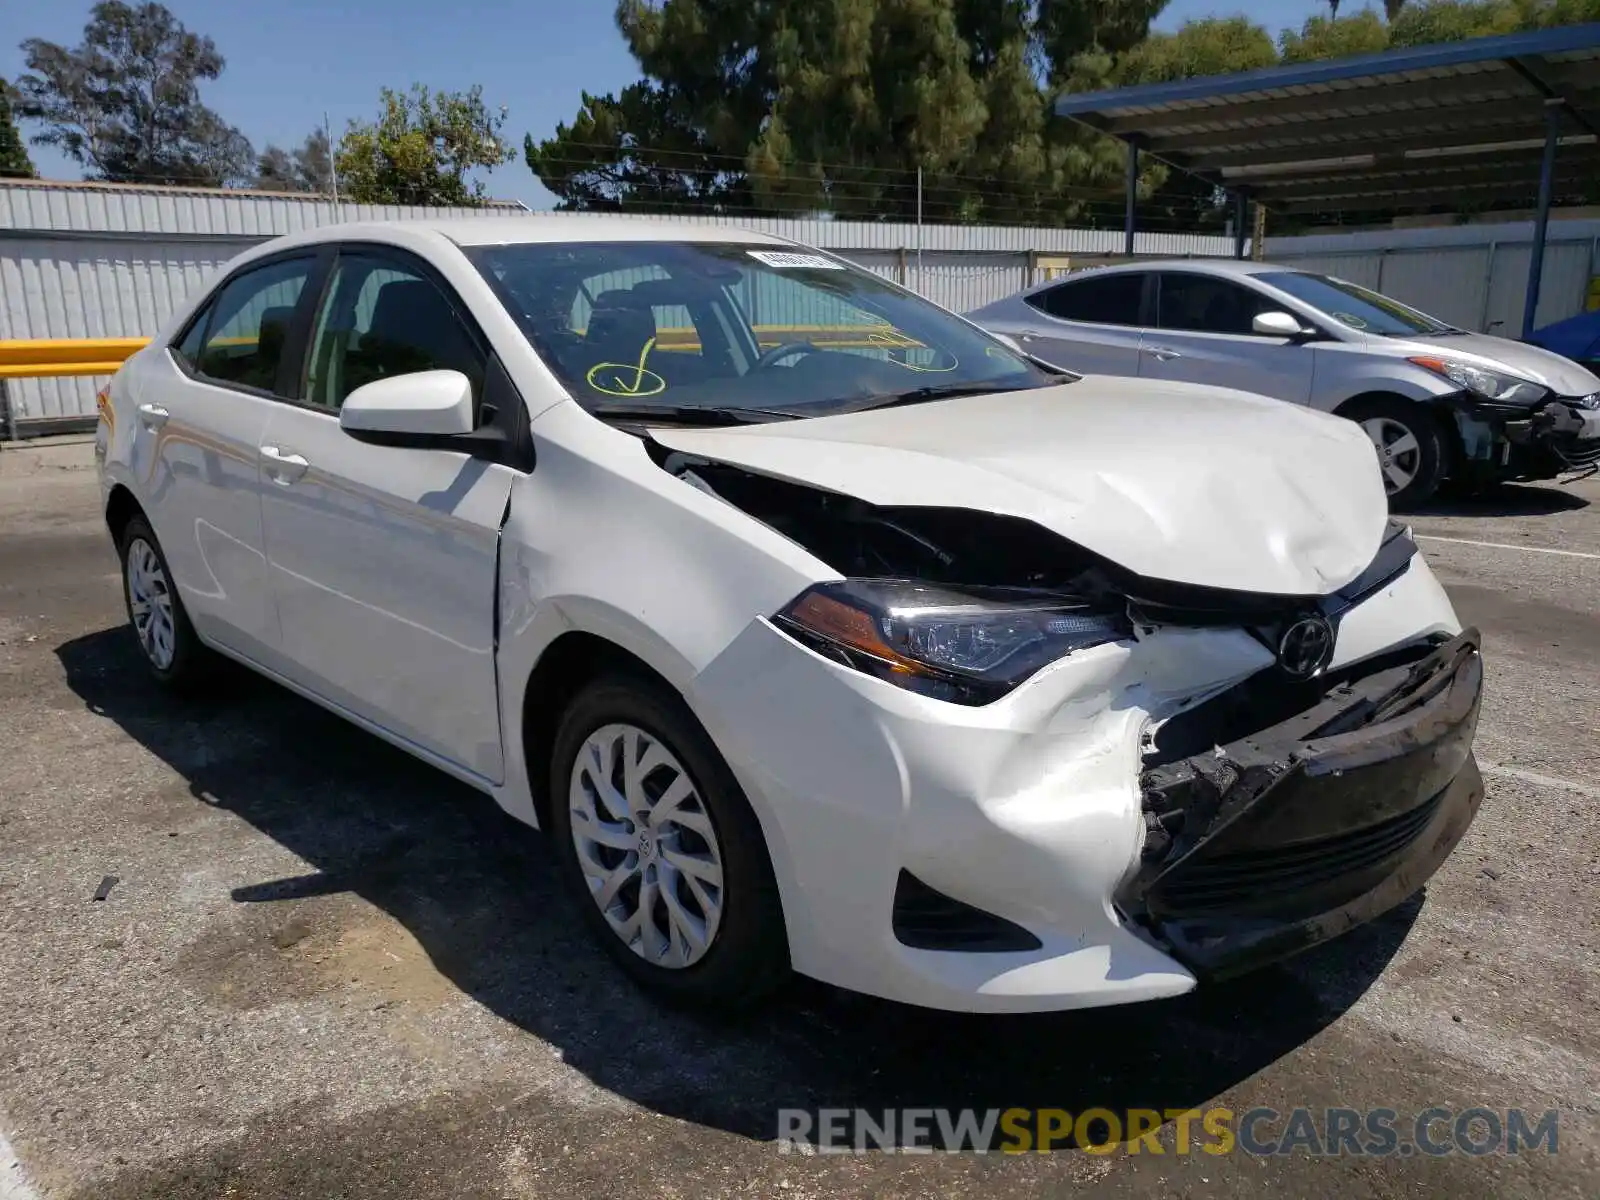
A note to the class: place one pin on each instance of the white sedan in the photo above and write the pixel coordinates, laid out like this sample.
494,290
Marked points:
822,630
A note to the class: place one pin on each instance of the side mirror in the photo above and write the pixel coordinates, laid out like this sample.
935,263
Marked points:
410,408
1278,324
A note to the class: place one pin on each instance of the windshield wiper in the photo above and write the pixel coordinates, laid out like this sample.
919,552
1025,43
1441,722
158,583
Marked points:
943,391
688,414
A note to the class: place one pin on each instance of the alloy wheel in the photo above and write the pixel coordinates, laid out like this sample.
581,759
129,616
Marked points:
646,845
150,604
1399,452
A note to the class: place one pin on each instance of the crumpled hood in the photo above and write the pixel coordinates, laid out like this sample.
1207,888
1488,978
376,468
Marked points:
1560,375
1173,481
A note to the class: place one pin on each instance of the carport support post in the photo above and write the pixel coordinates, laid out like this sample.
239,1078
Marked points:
1133,193
1541,224
1241,210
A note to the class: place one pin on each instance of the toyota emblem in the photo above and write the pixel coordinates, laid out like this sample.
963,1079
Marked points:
1306,647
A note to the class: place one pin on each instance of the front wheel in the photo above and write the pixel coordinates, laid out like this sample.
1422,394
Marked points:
660,849
1411,447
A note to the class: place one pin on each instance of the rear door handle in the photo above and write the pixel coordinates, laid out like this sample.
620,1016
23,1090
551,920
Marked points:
284,468
1162,353
153,416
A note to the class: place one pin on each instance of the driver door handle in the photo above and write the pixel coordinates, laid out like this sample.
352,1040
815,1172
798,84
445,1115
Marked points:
1162,353
152,416
284,468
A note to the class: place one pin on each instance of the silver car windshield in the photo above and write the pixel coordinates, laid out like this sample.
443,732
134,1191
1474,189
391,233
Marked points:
743,329
1355,306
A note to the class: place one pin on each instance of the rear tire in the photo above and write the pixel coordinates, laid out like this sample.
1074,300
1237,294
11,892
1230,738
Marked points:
173,652
661,852
1412,451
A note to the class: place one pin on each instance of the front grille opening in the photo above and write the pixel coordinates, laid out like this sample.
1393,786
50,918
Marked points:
925,919
1267,698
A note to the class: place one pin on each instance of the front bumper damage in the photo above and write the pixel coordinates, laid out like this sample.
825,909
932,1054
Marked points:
1560,438
1260,848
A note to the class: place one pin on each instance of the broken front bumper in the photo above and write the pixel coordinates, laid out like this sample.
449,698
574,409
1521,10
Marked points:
1263,847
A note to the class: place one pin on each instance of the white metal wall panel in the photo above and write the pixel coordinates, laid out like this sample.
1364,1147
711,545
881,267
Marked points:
53,288
1561,290
1472,275
1361,269
104,208
1450,284
963,282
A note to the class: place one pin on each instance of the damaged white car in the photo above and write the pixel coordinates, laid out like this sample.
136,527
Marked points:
822,630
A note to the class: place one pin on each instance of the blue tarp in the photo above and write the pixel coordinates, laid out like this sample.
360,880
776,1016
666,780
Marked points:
1577,338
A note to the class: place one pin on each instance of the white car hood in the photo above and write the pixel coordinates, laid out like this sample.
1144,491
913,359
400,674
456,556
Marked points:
1172,481
1560,375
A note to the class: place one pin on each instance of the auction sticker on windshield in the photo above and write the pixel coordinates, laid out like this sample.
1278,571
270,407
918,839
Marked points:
781,258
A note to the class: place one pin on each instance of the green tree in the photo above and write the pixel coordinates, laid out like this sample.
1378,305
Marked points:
421,148
307,168
125,103
1321,37
1457,20
800,105
14,160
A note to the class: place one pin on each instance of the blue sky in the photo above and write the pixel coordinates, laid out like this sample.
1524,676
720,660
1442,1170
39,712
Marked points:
289,61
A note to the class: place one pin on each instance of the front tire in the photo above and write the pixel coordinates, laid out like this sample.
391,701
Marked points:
661,851
171,649
1411,446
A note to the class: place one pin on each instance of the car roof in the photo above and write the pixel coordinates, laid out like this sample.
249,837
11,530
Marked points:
532,228
1226,267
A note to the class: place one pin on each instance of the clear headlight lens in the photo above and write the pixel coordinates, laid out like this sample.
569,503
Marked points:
1491,385
968,646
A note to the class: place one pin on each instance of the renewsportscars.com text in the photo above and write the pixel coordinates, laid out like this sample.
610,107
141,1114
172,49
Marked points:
1316,1132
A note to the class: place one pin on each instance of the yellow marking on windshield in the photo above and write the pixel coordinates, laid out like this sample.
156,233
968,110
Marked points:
899,341
643,382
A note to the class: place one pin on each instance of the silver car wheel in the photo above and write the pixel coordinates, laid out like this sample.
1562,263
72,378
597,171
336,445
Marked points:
150,604
646,846
1399,452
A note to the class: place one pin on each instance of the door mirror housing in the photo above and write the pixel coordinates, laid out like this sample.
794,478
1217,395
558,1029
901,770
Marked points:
410,409
1278,324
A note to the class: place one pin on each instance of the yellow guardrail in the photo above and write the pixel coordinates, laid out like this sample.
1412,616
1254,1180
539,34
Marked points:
42,357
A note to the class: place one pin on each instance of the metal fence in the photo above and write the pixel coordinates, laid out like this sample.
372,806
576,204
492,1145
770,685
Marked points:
1474,276
100,260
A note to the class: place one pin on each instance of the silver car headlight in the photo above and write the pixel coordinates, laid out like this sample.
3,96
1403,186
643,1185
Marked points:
968,646
1491,385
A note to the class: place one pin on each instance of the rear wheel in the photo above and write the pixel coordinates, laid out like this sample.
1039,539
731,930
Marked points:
174,653
1410,444
660,849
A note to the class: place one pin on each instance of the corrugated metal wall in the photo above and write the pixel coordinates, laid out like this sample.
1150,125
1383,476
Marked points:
98,260
1474,276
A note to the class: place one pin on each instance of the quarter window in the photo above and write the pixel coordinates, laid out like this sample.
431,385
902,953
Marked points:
380,319
189,348
1098,300
249,325
1203,304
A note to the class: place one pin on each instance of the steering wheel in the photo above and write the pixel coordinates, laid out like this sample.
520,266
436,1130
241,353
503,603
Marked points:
782,351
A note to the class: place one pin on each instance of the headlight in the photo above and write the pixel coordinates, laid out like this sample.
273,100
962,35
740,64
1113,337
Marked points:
968,646
1491,385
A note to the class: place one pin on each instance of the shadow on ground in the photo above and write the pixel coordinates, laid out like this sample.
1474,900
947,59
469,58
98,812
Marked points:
479,894
1505,500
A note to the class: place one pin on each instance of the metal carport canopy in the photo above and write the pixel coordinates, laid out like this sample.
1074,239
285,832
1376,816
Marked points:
1462,123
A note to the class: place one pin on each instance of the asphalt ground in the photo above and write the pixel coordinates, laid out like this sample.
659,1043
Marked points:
326,971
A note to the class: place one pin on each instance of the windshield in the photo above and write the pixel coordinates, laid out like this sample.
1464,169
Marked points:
740,329
1354,306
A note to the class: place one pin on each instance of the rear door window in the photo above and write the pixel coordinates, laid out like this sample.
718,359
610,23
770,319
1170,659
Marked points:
248,329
